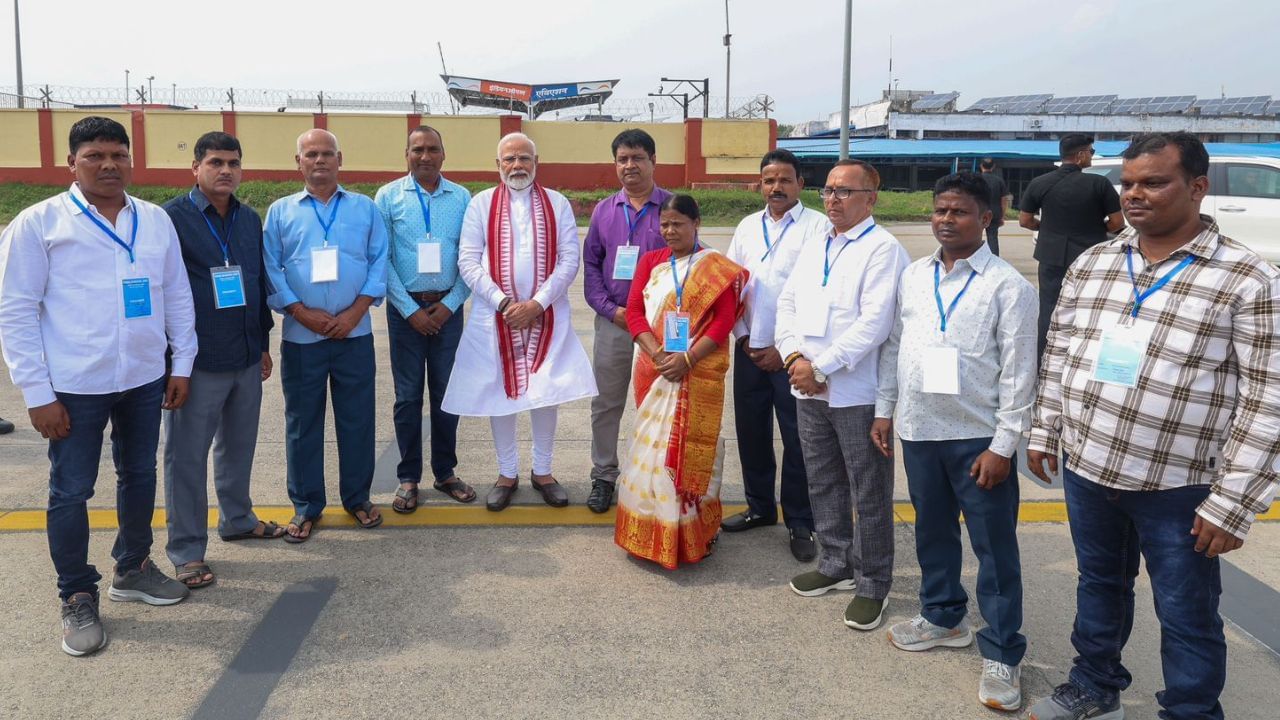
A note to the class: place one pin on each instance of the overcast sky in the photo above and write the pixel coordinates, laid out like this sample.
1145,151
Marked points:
789,50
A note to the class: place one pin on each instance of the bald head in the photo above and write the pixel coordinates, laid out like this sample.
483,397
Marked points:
319,159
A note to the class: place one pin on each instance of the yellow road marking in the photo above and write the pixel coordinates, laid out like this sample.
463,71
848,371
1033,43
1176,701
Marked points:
477,516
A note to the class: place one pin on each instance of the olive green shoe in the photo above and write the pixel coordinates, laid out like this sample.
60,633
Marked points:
864,613
814,583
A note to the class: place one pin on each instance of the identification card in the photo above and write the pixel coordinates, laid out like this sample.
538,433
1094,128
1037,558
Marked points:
941,371
624,264
428,257
1120,356
137,297
675,332
228,287
813,317
324,265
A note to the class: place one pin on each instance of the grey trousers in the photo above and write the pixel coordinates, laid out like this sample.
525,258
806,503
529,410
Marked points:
222,411
611,359
848,479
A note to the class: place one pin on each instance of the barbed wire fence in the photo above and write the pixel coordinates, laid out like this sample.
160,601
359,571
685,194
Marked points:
653,108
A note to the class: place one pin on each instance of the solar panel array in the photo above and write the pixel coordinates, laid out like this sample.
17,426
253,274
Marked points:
1153,105
934,102
1081,105
1252,105
1011,103
1273,108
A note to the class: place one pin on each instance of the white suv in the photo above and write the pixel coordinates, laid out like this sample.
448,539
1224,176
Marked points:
1244,197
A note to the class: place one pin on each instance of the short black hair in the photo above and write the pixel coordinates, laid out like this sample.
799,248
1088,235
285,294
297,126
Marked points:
423,129
1072,143
867,168
683,204
1192,155
988,164
966,183
93,128
635,138
217,140
784,157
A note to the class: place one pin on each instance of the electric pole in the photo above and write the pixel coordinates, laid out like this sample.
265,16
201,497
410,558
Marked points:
844,88
727,51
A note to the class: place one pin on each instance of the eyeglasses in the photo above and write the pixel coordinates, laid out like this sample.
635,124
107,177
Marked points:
513,159
827,193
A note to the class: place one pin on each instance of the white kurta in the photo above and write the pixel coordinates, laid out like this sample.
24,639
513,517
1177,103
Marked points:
475,387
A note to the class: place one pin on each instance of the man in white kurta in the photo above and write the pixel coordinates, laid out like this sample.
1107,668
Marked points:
500,368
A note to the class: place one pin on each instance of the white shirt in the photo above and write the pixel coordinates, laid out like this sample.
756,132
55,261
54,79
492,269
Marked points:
858,303
770,264
476,386
62,321
992,328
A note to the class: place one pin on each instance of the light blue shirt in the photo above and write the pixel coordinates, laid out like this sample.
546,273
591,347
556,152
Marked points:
406,228
292,231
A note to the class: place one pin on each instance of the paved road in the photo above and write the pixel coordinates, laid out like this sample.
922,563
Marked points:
501,621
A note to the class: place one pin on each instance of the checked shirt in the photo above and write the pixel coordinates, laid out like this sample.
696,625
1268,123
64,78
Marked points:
1206,407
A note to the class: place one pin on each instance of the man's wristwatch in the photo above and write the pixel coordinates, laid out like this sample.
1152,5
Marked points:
819,376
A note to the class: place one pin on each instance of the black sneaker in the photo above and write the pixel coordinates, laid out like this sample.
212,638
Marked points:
148,584
601,496
82,632
6,427
1072,702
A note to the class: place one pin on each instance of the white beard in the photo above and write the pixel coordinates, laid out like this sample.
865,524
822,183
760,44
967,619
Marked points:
519,183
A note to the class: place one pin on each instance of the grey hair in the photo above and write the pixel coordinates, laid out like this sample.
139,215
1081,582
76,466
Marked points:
326,132
515,136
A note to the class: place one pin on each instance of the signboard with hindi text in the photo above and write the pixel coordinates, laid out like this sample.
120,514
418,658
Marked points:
531,99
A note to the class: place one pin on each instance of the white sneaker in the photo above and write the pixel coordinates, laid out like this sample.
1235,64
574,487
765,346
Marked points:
919,634
1001,685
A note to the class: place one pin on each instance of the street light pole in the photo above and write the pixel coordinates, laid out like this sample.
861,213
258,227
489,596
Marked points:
17,46
727,51
151,89
844,88
126,87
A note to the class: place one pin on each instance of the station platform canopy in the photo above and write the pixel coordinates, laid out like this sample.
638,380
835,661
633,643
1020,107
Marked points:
829,148
533,100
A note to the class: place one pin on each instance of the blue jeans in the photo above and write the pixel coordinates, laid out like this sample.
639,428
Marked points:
308,373
73,471
941,488
1111,530
423,362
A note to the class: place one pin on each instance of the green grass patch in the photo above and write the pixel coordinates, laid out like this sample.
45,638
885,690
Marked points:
719,207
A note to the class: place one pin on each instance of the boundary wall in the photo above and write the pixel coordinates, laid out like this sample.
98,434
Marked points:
572,155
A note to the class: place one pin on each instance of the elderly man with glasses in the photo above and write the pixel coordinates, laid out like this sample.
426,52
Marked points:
835,311
519,253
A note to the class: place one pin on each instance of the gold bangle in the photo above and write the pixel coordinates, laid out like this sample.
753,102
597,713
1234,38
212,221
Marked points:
687,359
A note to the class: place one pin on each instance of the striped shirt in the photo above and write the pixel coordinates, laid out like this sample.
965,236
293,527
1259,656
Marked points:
1205,409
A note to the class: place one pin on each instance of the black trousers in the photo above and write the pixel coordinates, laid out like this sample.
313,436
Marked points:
1050,287
757,397
993,239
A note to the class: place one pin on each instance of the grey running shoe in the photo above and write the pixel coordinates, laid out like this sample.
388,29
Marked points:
863,613
919,634
147,584
814,583
1001,685
1072,702
82,632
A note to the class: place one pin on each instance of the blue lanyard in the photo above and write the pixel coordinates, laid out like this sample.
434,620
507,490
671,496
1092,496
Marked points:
827,262
1138,297
133,240
764,227
426,209
333,214
224,244
632,224
675,277
937,280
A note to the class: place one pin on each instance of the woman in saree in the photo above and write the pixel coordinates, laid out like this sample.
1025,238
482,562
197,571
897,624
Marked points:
683,304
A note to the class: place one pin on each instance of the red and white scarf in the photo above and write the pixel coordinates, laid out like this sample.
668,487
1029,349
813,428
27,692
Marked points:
521,351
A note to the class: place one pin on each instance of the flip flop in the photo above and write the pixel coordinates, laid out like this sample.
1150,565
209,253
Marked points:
403,499
196,570
456,489
369,522
270,531
304,523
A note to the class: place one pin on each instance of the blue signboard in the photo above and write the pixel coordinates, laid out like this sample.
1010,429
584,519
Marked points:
554,92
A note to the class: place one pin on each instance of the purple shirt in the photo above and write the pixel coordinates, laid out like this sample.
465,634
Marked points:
609,229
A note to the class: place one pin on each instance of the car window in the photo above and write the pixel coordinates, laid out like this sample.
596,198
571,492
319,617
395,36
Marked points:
1259,181
1110,172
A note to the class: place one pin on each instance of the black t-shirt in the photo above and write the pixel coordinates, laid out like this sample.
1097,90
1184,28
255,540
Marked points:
997,190
1073,207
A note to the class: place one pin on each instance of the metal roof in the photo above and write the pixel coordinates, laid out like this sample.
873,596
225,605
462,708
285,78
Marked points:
829,148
